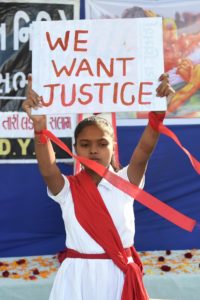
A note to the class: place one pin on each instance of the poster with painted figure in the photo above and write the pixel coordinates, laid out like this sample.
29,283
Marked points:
181,41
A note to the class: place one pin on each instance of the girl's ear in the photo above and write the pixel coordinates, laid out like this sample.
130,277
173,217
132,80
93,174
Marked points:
75,147
114,147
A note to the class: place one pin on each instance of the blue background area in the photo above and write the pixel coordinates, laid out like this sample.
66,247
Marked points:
171,178
31,223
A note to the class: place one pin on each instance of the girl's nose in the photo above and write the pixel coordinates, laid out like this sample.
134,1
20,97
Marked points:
93,149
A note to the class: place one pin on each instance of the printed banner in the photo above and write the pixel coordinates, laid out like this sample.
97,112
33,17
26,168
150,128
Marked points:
181,36
15,65
16,124
15,150
16,142
87,73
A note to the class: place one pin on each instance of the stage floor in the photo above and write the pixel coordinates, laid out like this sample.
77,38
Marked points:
168,275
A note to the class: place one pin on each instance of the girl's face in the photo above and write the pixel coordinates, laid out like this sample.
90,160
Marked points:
96,144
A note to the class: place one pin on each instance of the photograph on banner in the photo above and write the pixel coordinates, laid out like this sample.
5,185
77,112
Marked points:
16,142
86,73
181,39
15,60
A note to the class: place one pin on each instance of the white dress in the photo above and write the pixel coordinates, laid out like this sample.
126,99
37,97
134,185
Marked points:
93,279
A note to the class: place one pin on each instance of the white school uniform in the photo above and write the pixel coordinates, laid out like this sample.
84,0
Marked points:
93,279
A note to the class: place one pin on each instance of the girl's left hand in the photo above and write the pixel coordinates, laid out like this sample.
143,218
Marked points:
164,89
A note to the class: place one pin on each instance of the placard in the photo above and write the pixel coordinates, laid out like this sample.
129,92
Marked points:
92,66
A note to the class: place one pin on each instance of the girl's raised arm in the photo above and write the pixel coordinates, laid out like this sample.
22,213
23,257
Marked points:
44,151
148,140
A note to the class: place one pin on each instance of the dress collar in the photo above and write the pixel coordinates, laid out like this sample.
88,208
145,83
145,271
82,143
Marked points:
105,182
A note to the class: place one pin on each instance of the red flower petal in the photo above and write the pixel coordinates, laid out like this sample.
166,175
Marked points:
21,261
161,258
165,268
36,271
5,274
32,277
188,255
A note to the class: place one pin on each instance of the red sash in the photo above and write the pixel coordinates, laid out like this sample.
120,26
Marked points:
94,217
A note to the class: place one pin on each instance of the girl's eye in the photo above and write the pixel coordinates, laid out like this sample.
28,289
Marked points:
103,144
84,145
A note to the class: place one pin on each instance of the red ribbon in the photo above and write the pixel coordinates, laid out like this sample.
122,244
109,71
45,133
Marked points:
42,137
141,196
155,120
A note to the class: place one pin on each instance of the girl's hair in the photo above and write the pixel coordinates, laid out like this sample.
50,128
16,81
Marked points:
101,123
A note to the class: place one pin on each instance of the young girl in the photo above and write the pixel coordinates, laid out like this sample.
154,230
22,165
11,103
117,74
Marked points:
100,262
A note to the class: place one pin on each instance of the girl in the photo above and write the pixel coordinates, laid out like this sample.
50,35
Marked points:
100,262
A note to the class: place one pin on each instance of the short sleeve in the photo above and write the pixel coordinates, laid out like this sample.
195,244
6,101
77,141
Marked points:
62,196
123,173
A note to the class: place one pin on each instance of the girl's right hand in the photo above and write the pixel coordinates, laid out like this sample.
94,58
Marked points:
33,100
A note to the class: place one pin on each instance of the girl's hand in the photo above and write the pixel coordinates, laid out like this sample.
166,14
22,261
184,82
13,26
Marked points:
34,101
164,89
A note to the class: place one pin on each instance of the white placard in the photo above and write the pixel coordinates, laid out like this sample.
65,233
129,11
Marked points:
87,66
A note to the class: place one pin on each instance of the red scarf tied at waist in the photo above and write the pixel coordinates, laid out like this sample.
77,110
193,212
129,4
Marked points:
94,217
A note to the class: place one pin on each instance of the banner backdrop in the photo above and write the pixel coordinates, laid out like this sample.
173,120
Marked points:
15,64
181,20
